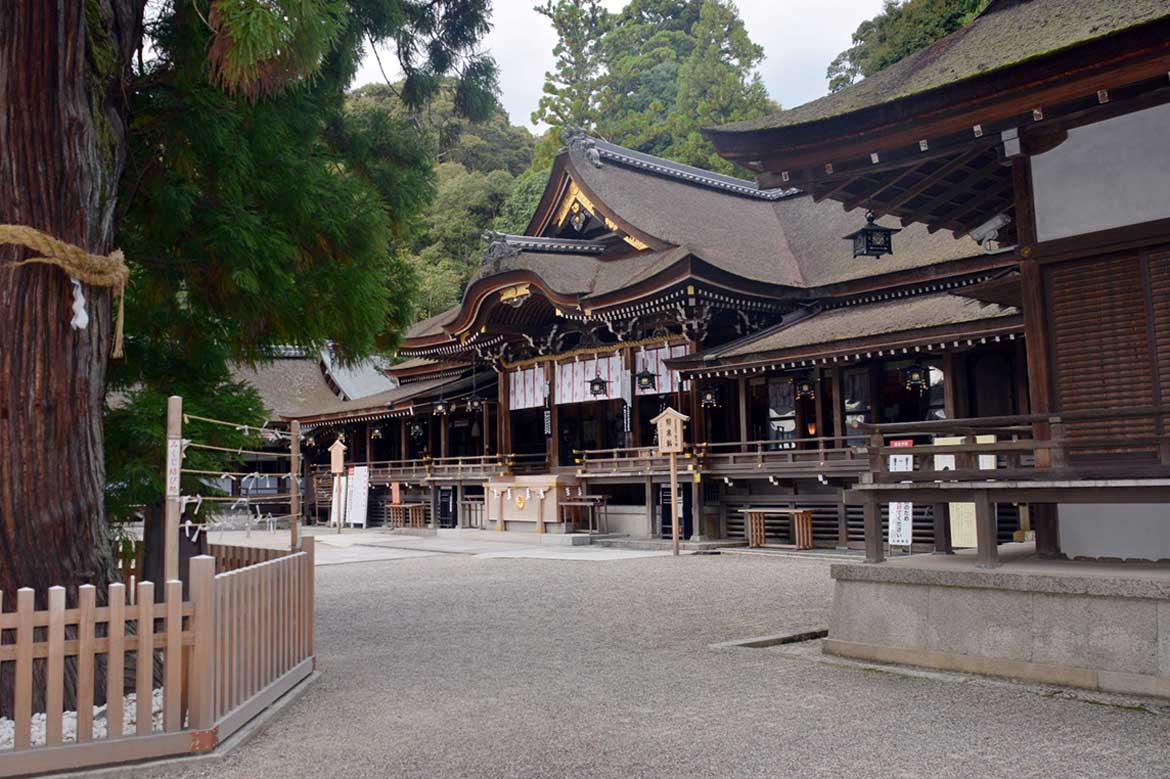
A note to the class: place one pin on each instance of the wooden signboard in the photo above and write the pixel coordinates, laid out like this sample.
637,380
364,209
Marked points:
670,442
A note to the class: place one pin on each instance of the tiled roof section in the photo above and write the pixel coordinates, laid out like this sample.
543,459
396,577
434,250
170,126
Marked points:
542,244
432,325
288,386
359,379
861,321
677,170
1008,33
791,241
378,402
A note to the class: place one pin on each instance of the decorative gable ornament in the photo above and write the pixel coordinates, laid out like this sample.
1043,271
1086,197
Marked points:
873,240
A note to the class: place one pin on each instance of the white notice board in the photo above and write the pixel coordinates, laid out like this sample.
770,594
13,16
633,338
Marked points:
901,514
357,495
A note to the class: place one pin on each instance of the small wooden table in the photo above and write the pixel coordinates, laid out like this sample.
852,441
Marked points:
406,514
596,509
801,526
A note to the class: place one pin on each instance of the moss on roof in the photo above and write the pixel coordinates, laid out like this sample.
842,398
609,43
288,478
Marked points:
1008,33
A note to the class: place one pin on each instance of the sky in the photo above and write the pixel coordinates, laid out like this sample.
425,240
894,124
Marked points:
800,39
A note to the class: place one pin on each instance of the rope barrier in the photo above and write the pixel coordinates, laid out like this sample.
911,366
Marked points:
94,269
209,447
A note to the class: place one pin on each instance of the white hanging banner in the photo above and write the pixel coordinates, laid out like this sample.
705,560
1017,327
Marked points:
526,388
654,360
574,377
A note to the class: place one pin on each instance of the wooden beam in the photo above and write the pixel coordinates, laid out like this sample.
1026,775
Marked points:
928,181
742,386
893,182
833,188
962,185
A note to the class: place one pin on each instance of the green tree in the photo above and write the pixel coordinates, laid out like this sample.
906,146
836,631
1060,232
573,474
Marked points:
902,28
447,250
517,210
570,91
272,212
673,67
717,83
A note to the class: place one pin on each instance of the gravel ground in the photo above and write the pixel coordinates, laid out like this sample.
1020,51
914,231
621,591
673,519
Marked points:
452,666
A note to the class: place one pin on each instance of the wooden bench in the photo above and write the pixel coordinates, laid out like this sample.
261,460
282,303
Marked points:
800,524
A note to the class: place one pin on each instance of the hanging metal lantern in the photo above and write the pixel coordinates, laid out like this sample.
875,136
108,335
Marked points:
646,379
709,397
440,409
598,386
416,430
873,240
916,377
475,403
806,389
376,433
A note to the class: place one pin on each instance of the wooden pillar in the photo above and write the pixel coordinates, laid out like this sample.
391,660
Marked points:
553,439
942,528
744,427
873,530
628,361
1047,529
444,435
698,532
435,506
503,417
842,526
986,531
294,485
950,386
173,507
838,403
369,453
653,531
403,443
819,402
486,427
1023,402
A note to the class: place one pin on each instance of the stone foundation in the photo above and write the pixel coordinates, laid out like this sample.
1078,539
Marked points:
1080,624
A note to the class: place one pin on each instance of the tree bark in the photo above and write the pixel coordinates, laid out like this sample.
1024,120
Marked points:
64,75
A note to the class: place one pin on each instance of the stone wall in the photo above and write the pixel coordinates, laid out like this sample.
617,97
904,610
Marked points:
1099,632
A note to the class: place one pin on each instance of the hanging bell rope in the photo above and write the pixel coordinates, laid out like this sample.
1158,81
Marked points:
93,269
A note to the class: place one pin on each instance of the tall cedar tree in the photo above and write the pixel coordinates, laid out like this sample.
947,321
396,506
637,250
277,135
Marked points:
902,28
268,198
570,91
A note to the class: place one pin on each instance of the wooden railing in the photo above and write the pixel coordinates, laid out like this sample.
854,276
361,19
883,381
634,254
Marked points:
419,469
798,457
198,668
828,456
627,461
1074,445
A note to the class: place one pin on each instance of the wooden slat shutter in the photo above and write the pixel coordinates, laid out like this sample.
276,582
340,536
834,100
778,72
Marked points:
1160,306
1101,347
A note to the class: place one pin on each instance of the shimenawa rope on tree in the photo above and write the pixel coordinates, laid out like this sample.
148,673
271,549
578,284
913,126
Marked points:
94,269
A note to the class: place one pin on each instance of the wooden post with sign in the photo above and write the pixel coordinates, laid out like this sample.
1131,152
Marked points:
670,442
173,501
337,468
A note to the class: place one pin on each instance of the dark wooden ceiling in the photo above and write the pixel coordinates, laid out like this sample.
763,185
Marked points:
957,191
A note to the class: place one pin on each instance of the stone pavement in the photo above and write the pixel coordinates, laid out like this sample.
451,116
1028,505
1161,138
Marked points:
459,665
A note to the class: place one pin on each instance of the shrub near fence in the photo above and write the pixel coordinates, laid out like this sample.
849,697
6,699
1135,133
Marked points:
242,639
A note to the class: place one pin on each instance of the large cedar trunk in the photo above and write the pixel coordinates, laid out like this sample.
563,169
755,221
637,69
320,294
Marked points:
64,73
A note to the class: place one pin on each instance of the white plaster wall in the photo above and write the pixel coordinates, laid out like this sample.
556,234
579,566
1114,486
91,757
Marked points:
1109,174
1136,531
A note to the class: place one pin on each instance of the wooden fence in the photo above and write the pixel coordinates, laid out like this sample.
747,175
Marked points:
241,639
